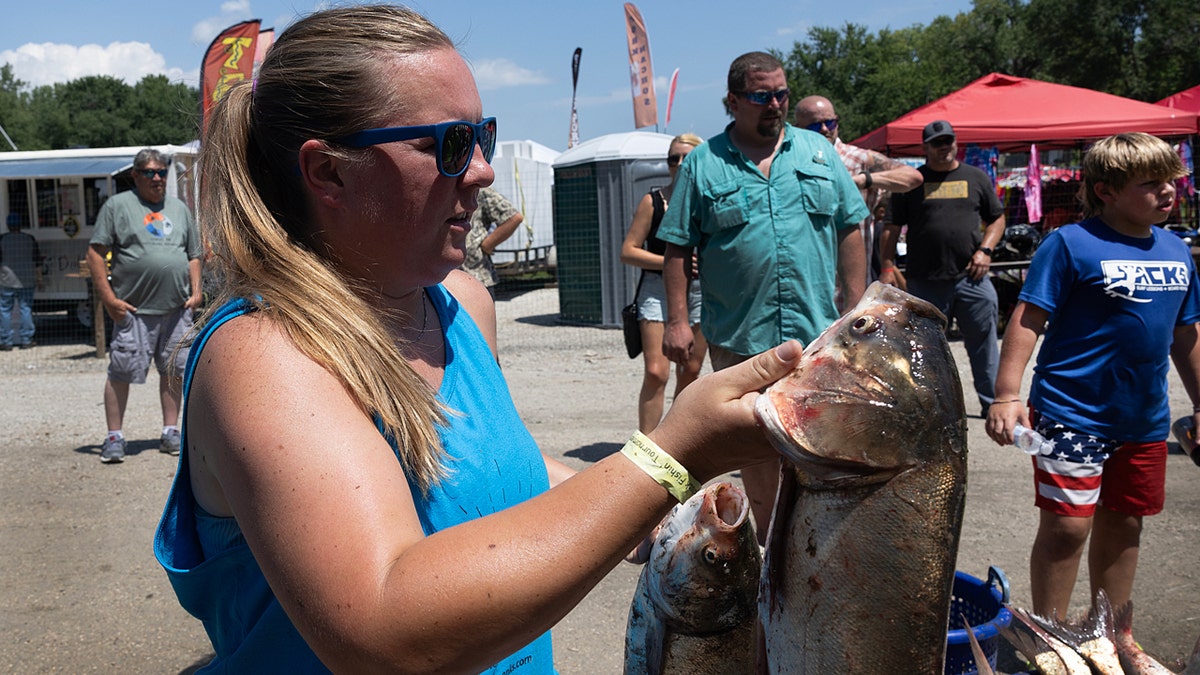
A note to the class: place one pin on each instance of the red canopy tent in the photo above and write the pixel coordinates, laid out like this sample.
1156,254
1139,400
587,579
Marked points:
1188,99
1012,112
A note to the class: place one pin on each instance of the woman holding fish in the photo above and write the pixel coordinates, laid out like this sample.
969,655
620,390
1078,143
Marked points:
356,491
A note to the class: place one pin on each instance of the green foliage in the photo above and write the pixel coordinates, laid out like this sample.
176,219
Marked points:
15,116
97,111
1142,49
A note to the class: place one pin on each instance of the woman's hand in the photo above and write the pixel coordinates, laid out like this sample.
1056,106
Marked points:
711,428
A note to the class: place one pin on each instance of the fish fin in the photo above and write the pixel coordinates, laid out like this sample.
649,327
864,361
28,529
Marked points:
1037,652
982,665
1072,660
1101,615
1123,618
785,502
1074,633
1193,665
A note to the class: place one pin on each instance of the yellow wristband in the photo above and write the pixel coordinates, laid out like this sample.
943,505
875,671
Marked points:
661,467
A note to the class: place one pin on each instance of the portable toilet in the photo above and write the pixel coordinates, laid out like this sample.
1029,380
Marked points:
597,187
525,176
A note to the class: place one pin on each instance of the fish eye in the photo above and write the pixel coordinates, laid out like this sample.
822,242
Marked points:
865,324
710,556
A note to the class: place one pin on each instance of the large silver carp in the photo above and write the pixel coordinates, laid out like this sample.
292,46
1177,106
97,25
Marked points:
694,610
863,540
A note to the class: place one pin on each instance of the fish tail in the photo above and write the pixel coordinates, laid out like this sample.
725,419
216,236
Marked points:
1037,652
982,665
1072,633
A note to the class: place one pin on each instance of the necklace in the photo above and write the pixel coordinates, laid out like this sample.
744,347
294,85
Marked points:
424,309
424,306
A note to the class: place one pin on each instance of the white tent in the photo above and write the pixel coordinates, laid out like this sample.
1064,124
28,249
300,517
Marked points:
525,176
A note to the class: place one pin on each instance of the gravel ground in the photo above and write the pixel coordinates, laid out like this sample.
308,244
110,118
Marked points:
82,593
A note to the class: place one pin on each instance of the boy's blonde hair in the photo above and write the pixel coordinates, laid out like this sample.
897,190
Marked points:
1118,159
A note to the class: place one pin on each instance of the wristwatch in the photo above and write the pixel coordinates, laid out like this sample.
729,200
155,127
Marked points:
986,250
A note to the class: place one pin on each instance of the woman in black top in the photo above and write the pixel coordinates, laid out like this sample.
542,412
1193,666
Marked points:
643,249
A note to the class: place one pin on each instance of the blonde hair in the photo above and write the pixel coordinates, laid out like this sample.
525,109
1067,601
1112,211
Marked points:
320,80
1118,159
687,139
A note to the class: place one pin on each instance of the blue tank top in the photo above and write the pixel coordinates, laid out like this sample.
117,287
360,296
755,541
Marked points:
494,464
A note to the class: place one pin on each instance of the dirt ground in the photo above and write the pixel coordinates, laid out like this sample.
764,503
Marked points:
82,593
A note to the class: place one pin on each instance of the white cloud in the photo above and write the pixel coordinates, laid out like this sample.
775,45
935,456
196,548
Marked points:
502,73
798,29
47,63
233,11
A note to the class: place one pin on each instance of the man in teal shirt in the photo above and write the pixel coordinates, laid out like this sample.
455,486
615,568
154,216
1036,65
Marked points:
774,216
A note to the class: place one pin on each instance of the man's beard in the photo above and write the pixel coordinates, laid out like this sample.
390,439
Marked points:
770,128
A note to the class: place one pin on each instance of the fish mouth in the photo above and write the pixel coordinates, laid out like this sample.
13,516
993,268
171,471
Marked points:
730,505
820,465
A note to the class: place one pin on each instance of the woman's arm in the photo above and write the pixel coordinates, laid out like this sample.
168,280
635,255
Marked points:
632,252
327,511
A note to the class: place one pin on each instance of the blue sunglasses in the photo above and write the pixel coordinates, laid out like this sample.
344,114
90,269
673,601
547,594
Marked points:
764,97
456,141
829,124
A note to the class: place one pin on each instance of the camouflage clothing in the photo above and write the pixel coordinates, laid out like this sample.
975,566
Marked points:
493,210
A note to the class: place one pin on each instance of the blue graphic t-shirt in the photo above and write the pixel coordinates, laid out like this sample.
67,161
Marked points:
1114,303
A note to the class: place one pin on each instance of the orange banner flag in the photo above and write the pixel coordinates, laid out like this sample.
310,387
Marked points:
229,60
641,73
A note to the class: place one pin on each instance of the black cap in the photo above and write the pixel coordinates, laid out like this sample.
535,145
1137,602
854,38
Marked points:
936,130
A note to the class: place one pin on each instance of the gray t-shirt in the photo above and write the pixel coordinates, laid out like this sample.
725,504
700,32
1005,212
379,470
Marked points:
151,245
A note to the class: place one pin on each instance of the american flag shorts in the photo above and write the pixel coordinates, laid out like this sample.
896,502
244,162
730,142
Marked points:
1069,478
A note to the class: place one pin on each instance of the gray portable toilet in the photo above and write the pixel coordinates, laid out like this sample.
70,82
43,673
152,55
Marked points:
597,187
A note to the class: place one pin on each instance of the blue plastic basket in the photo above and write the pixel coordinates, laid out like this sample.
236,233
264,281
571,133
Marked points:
982,602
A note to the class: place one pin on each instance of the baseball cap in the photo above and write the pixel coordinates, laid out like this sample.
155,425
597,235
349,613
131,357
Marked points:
935,130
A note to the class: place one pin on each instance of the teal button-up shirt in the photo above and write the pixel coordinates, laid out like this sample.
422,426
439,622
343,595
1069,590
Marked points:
768,247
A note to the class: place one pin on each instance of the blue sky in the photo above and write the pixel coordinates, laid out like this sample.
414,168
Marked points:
520,50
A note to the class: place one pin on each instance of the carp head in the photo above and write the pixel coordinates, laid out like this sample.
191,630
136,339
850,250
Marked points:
876,393
706,562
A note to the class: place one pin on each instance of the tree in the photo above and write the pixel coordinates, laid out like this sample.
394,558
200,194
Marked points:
97,111
1167,50
1144,49
15,117
163,112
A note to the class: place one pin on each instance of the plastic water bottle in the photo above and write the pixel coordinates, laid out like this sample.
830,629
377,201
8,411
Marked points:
1184,430
1030,441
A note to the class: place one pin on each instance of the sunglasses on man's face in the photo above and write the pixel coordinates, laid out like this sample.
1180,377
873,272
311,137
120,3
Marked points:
455,141
151,173
765,97
829,124
942,141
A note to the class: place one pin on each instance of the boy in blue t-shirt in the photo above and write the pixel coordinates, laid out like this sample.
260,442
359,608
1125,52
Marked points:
1120,296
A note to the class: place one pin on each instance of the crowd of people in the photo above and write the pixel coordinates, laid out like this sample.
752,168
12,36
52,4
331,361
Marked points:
377,502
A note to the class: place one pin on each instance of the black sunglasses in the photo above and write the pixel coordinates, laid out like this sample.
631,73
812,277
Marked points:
456,141
829,124
942,141
151,173
764,97
674,160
